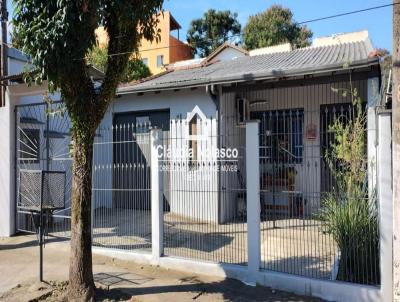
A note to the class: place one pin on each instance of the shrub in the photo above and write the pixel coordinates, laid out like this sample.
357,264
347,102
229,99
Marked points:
136,70
353,224
350,212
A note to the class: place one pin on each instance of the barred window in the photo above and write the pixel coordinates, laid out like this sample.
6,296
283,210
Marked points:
281,135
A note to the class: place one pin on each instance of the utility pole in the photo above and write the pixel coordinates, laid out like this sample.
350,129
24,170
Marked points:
3,53
396,149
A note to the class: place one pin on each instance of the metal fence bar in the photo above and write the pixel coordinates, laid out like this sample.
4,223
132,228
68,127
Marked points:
253,199
157,223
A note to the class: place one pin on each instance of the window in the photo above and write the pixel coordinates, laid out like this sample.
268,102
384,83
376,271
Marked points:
29,145
160,61
329,114
193,128
241,110
145,61
281,135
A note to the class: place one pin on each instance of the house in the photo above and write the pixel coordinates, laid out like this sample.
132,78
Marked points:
296,95
167,50
202,104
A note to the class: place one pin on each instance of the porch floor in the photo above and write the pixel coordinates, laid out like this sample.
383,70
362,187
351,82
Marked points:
293,246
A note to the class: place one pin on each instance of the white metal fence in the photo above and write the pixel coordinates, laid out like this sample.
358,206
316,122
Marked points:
205,206
122,187
204,192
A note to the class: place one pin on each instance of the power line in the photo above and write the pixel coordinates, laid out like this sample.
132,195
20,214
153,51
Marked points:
348,13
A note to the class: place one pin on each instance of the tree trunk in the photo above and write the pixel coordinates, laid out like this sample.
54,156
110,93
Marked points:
81,284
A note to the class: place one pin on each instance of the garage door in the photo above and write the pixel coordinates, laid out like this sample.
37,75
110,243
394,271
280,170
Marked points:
131,156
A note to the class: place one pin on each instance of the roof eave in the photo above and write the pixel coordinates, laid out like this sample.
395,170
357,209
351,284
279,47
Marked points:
260,76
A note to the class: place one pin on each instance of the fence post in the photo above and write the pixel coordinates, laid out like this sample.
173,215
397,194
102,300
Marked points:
157,218
253,200
384,167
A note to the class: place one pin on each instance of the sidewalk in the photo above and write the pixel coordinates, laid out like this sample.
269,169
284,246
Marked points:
19,266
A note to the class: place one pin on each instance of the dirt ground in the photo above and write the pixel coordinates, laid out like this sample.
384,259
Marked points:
118,280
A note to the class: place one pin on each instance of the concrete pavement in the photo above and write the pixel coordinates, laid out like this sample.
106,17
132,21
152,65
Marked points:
19,265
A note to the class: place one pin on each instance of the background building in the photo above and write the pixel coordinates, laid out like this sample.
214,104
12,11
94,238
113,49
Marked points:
168,49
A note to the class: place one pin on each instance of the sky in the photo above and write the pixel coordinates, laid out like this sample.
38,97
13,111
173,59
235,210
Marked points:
377,22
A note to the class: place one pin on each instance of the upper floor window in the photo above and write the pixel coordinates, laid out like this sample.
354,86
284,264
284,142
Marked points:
145,61
160,61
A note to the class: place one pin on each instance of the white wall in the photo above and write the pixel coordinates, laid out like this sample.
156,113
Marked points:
271,49
228,54
179,102
7,205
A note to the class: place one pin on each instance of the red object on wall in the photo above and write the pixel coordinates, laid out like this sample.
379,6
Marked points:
311,132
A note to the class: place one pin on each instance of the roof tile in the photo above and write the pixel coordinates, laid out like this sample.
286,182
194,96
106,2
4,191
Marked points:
309,59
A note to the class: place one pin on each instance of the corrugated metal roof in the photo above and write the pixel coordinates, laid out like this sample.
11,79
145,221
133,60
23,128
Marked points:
17,54
19,77
300,61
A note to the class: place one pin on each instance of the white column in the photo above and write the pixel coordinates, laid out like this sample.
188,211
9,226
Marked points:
385,203
253,200
7,165
373,99
157,222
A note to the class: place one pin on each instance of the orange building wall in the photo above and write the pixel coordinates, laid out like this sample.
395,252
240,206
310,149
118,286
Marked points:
168,46
150,50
